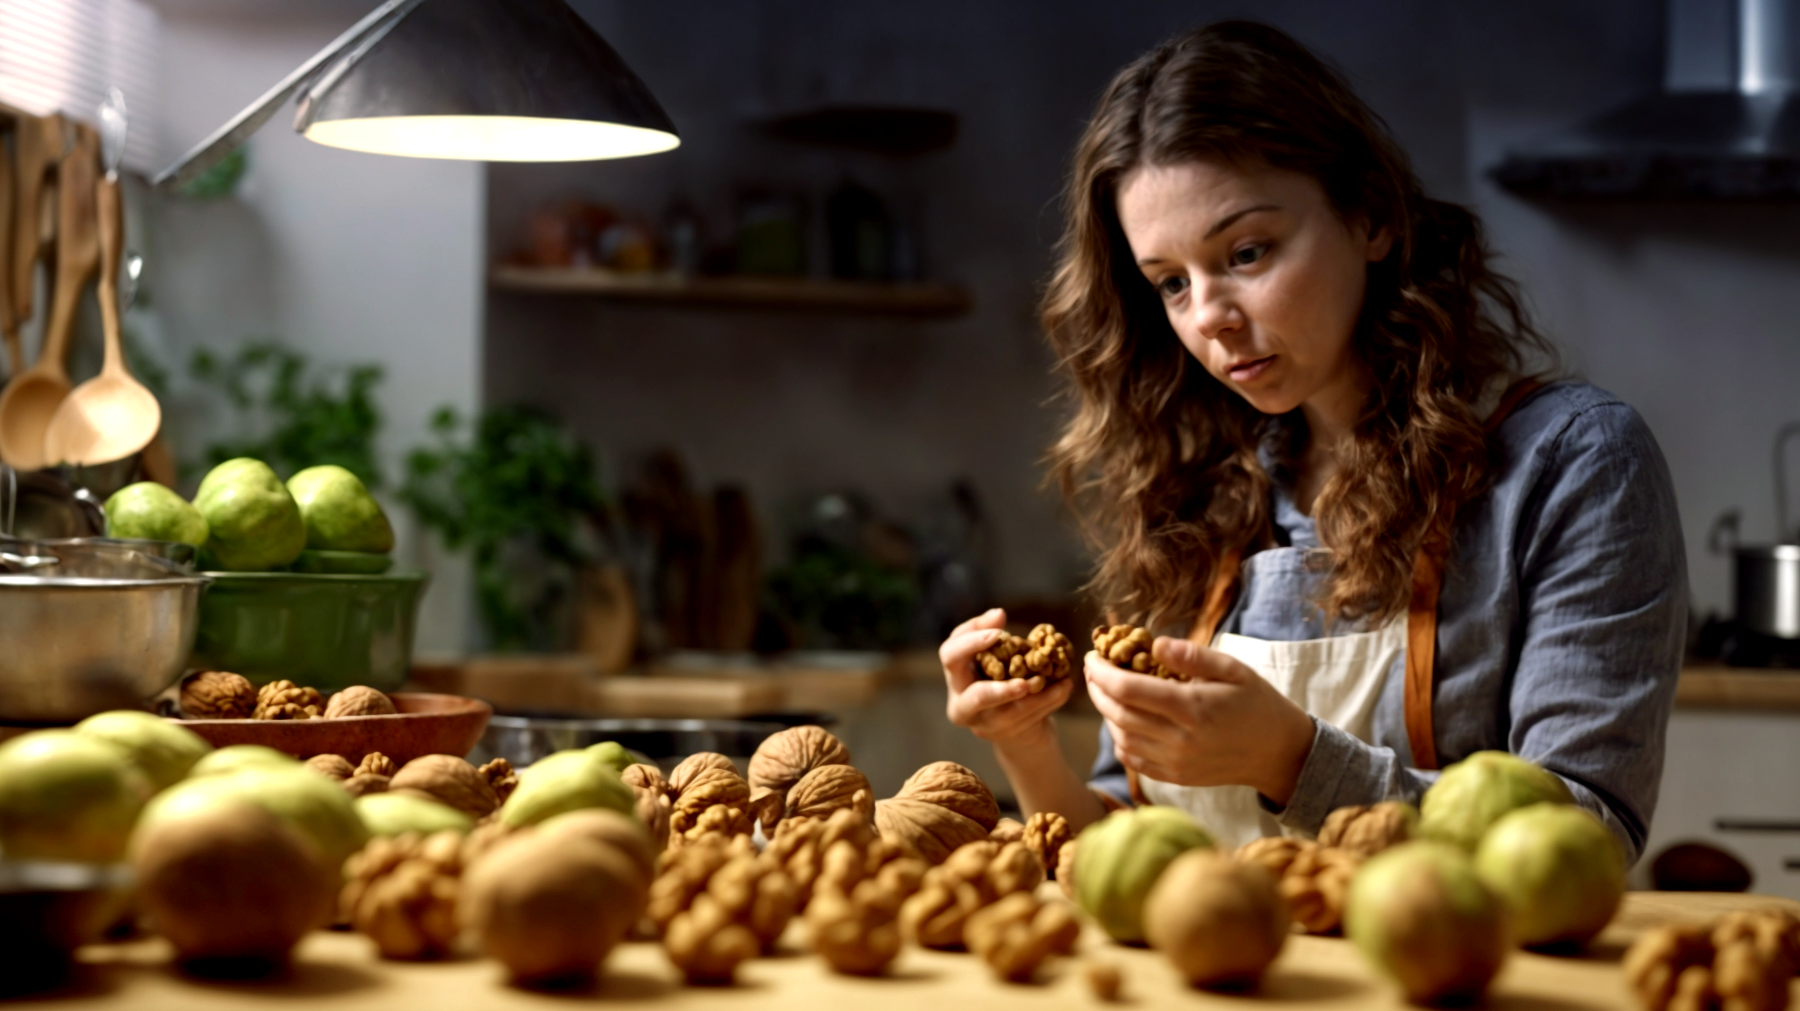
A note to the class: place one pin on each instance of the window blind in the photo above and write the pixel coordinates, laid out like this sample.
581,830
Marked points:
62,55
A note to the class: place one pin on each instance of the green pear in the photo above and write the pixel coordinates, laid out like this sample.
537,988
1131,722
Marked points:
255,524
340,513
149,511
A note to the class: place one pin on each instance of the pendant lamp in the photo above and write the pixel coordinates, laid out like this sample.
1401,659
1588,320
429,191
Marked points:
486,80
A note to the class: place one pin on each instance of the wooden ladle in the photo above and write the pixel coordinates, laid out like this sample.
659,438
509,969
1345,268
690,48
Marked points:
112,415
30,400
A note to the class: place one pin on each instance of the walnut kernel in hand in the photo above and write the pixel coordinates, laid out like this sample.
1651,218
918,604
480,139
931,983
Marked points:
1038,658
284,700
217,695
1128,647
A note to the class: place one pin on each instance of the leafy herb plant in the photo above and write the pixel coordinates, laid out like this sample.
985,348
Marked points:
294,416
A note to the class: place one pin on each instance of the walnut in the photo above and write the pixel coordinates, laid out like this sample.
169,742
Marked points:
1128,647
928,830
1103,979
654,810
364,783
1008,830
335,766
1367,829
450,781
831,788
974,876
377,764
1046,833
856,933
695,764
359,700
719,820
702,786
500,777
1312,879
217,695
484,838
1774,932
1038,658
647,777
283,700
684,875
1065,869
706,944
756,894
782,760
1679,969
401,892
957,788
1016,934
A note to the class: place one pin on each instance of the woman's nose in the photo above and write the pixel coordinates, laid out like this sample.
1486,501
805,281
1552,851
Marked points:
1215,312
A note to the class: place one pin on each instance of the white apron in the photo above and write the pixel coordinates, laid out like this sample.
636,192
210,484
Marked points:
1337,680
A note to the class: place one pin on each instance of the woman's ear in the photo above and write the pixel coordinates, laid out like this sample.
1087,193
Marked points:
1379,244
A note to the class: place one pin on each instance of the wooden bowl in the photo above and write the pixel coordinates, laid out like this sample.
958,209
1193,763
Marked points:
426,724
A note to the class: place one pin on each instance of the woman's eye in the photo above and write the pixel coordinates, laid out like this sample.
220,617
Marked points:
1169,287
1247,255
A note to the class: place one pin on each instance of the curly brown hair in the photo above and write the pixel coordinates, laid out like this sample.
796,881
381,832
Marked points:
1160,460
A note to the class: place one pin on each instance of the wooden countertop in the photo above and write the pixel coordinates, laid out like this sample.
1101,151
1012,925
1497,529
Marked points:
339,971
1715,686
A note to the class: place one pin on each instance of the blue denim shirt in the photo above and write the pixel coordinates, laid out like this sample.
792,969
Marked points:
1560,625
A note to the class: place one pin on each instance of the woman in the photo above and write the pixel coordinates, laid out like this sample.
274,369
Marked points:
1304,438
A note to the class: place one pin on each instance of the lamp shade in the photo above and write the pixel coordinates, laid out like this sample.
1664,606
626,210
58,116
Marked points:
491,80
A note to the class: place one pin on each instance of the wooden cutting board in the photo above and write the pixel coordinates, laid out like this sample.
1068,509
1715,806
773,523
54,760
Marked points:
340,972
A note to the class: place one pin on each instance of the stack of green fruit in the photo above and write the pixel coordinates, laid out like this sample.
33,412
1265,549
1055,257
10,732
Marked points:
244,519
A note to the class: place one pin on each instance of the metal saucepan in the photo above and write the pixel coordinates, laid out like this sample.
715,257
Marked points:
91,625
1765,578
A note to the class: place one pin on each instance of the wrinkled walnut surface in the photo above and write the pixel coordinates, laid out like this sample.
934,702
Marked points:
828,789
955,787
1128,647
284,700
1016,934
1313,879
401,892
1038,658
449,780
1741,962
359,700
217,695
783,758
1046,833
1367,829
335,766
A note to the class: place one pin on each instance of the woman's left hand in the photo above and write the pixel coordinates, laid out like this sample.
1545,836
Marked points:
1225,726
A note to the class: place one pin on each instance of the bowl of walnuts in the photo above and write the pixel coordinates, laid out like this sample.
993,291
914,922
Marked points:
225,708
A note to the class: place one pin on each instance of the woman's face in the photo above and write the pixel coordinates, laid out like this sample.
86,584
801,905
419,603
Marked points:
1261,278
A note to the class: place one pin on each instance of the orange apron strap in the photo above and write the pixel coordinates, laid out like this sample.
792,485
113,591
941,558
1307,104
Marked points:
1422,608
1219,598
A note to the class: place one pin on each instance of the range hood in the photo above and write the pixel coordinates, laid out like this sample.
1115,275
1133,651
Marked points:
1726,125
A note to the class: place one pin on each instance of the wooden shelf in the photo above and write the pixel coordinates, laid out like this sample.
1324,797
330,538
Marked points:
918,298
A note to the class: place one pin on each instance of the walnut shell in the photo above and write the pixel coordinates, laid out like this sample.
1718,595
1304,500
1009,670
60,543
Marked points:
284,700
693,765
359,700
932,831
957,788
1367,829
784,758
1008,830
647,777
705,787
364,783
217,695
831,788
335,766
654,810
1220,922
449,780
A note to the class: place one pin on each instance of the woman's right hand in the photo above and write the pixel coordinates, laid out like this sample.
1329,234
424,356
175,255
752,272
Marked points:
1003,712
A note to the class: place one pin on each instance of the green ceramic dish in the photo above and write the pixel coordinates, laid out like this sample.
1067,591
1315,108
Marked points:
348,563
323,631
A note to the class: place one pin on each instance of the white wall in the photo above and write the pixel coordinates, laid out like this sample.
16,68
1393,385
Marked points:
348,257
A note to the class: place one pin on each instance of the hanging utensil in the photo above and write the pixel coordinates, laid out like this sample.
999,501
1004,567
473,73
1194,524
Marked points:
111,416
9,323
38,144
30,400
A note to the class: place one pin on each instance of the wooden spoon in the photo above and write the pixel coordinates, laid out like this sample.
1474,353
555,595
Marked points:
112,415
30,400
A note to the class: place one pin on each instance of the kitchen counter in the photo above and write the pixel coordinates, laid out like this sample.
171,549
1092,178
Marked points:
339,971
1711,685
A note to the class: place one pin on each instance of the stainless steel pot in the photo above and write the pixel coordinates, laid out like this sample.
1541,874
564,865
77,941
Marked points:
1765,578
87,626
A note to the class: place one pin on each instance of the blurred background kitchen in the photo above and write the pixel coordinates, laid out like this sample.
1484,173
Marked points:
740,430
